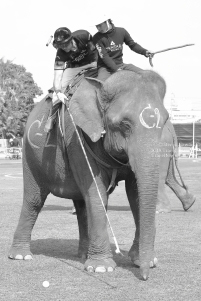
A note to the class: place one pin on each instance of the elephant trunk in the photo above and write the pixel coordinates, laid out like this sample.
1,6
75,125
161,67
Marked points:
145,165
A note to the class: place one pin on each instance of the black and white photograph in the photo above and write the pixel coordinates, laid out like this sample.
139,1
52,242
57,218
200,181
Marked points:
100,150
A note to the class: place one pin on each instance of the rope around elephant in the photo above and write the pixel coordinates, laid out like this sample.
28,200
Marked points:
117,251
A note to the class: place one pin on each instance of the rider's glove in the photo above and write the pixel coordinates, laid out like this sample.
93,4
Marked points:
149,54
59,96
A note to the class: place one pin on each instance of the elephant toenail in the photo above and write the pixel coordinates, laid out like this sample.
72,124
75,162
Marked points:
90,269
155,261
110,269
100,270
28,257
19,257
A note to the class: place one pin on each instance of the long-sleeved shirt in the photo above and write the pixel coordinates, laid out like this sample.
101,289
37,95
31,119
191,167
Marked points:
85,54
110,47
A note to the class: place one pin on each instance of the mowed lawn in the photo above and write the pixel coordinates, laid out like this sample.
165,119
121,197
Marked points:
55,241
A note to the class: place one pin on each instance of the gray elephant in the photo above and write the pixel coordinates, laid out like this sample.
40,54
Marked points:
129,108
167,173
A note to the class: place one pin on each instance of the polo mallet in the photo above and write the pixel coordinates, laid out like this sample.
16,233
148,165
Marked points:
172,48
49,41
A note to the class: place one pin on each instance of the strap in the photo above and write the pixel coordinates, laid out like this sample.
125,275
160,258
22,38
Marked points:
94,155
112,183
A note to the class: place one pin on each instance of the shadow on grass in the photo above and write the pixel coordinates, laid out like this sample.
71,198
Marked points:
66,249
111,208
119,208
58,207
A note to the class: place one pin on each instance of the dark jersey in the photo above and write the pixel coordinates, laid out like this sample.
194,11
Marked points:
85,54
110,47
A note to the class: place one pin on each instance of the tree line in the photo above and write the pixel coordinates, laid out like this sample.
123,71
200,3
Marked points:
17,93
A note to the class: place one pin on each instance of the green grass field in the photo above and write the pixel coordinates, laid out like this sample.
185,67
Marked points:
55,241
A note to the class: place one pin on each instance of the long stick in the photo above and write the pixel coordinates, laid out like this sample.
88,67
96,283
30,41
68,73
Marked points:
167,49
49,41
93,177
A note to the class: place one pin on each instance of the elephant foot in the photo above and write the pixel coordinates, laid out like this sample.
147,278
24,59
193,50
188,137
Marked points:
134,256
100,266
20,254
188,201
161,209
163,204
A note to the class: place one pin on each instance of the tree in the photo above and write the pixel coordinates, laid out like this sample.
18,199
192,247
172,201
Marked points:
17,93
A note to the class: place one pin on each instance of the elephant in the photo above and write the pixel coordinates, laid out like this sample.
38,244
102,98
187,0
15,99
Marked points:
167,174
118,124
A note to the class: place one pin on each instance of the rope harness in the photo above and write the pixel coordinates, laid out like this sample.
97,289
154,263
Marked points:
97,188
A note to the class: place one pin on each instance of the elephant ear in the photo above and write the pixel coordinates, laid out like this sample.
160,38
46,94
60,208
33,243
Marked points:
84,108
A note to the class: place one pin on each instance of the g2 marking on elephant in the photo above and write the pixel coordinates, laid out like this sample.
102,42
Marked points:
31,137
39,123
157,115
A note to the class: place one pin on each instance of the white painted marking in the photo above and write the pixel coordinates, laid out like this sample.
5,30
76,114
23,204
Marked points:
39,122
157,115
15,176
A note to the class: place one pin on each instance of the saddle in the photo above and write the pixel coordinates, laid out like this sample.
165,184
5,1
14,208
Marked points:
56,108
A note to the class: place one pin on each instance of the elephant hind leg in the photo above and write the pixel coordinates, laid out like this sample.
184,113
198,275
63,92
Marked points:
33,202
187,199
81,214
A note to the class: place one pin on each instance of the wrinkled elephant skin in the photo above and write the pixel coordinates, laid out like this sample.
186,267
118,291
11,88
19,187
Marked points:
129,107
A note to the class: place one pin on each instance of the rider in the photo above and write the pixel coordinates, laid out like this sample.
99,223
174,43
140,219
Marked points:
75,52
109,43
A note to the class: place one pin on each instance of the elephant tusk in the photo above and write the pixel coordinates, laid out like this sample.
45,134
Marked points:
103,133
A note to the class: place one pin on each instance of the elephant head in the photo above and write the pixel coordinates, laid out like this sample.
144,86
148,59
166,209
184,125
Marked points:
129,107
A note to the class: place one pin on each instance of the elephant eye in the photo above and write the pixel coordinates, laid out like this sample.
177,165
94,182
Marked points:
125,127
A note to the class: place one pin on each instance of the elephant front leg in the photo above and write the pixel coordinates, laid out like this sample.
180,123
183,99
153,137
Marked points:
32,204
132,194
163,202
99,257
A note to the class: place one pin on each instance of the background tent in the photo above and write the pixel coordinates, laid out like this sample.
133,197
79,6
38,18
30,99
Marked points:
188,133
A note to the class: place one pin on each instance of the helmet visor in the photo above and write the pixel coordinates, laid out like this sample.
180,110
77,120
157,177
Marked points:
63,45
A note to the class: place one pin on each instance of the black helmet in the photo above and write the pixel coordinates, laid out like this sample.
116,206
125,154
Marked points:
62,36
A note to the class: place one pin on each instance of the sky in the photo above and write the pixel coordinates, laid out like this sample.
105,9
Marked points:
25,27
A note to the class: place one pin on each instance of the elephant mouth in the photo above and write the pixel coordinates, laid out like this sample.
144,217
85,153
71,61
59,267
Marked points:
123,163
114,163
